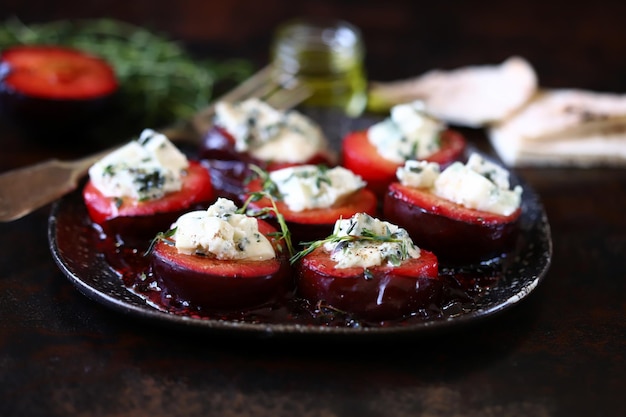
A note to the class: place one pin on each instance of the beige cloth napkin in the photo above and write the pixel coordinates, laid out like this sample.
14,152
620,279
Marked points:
564,127
526,124
468,96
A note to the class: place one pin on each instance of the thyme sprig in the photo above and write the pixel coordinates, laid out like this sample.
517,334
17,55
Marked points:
366,235
284,234
160,236
267,185
320,174
270,191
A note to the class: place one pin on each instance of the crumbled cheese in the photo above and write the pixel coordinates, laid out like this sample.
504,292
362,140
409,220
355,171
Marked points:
418,174
479,184
144,169
311,186
270,134
366,253
223,233
409,133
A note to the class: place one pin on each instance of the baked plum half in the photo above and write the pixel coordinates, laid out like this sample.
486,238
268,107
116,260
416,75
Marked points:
408,133
369,272
455,233
230,169
252,132
219,144
128,217
216,283
142,187
466,213
380,293
58,87
310,198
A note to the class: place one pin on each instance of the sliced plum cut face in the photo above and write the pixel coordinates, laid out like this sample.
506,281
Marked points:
52,72
53,92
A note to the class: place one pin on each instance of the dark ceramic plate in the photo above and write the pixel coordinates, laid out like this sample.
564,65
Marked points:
74,246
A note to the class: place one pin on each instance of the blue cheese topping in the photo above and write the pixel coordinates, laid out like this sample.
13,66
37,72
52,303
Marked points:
312,186
418,174
479,184
223,233
144,169
408,133
270,134
378,243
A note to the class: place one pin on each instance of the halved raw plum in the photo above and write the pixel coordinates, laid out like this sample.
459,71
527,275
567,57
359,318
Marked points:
455,233
54,86
214,284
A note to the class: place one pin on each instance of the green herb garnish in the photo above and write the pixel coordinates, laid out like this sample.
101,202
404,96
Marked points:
366,235
267,185
165,236
269,191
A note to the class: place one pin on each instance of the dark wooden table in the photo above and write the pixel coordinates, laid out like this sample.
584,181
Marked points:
560,352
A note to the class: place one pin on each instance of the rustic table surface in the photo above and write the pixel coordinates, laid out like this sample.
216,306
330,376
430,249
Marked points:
559,352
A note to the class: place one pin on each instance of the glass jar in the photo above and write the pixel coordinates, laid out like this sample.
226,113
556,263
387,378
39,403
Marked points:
327,56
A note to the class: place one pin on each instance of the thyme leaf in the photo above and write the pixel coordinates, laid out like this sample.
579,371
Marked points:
160,236
285,233
267,185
